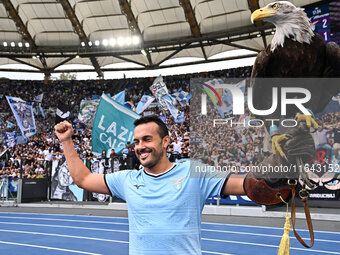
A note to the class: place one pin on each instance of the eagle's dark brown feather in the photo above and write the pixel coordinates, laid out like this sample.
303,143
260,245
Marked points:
296,60
332,60
292,60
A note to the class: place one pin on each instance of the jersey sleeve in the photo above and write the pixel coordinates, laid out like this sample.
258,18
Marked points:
211,180
116,183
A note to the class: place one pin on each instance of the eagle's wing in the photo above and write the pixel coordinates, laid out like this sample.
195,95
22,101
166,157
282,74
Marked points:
262,89
332,60
259,67
332,70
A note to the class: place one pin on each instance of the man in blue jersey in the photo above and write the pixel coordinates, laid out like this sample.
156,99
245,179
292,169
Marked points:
165,200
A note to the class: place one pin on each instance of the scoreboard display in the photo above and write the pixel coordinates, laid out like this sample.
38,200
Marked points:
319,17
326,21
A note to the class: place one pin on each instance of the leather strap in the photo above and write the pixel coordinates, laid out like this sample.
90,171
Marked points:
308,218
260,192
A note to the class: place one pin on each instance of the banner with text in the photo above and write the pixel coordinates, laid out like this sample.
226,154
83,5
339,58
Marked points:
161,93
113,126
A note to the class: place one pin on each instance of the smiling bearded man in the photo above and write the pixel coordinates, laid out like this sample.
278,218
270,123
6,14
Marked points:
150,145
165,200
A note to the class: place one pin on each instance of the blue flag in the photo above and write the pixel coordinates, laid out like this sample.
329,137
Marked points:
10,124
23,114
35,109
226,105
38,98
42,111
161,93
227,98
182,97
180,118
120,97
11,138
144,103
170,106
163,118
113,126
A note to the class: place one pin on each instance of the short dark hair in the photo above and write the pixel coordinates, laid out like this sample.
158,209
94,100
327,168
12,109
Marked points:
162,128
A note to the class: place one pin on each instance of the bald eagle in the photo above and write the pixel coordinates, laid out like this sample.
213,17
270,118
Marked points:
294,52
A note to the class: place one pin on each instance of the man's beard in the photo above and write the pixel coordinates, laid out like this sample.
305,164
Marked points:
155,158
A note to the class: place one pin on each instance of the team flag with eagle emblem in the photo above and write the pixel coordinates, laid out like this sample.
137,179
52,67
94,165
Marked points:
23,113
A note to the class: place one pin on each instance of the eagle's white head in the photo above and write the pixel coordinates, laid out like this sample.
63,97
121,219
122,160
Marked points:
290,21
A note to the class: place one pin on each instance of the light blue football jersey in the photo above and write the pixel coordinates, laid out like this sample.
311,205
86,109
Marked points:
165,210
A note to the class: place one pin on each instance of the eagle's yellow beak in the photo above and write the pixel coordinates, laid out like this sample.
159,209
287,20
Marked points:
260,14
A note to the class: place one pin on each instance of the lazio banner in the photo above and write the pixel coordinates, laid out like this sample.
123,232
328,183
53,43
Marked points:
113,126
23,114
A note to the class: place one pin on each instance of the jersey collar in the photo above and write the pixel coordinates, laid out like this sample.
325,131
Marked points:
159,175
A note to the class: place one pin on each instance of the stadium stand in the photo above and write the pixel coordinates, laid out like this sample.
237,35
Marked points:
245,145
31,157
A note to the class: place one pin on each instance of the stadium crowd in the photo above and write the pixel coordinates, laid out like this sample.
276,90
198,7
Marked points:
225,145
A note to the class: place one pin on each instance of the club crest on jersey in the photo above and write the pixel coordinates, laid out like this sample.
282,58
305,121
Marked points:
177,182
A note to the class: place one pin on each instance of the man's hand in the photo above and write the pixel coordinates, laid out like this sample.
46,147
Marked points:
64,131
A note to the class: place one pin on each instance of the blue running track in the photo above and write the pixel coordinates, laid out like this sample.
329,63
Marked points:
31,234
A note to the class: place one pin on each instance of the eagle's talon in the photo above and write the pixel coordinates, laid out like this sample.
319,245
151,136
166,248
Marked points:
310,122
276,145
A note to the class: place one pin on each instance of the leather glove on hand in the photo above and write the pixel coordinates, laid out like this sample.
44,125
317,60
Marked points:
266,183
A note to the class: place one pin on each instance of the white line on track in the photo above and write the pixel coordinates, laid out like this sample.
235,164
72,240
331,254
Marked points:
62,214
269,245
124,218
49,248
126,231
83,237
109,240
62,226
59,235
217,253
264,227
55,219
207,239
258,234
